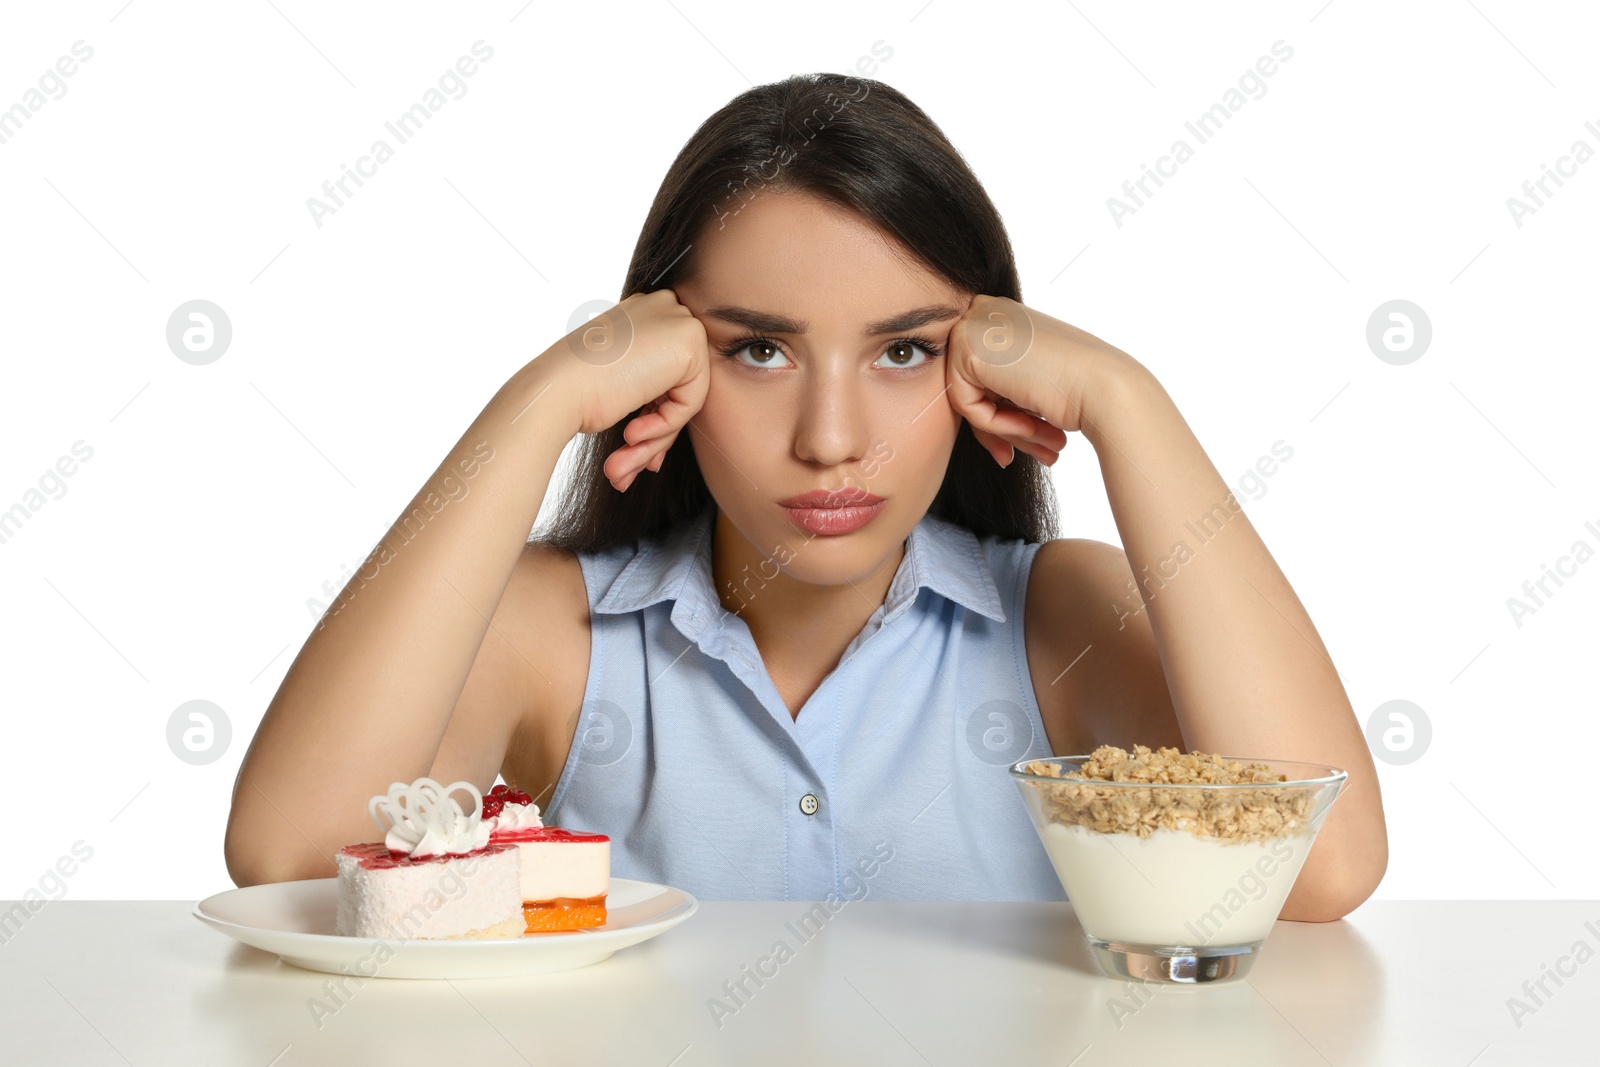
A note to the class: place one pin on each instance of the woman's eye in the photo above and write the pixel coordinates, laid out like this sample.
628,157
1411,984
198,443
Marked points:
765,353
901,353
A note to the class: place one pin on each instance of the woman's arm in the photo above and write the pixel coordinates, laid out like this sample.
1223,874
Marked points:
368,699
1244,667
376,687
1247,672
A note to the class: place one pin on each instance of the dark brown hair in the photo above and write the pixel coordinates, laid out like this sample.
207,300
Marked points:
861,145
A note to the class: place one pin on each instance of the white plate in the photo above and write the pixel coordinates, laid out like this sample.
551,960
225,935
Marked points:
295,920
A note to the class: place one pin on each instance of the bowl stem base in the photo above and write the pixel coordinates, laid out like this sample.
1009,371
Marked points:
1182,965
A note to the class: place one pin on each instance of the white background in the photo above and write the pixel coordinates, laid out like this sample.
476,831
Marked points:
178,563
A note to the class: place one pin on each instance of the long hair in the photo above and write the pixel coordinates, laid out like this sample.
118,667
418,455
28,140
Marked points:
861,145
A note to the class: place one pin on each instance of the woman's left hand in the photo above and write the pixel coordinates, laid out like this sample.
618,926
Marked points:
1021,377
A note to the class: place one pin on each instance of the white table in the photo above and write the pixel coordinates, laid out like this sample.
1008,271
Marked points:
884,982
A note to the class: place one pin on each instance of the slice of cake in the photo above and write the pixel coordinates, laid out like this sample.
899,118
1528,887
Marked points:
565,874
434,875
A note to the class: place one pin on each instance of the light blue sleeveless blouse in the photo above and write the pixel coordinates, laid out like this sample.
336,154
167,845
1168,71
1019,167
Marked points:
891,783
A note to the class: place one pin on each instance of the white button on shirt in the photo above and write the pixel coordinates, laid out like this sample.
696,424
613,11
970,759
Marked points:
686,755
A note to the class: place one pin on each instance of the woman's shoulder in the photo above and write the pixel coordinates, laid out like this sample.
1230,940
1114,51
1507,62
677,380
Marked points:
1071,574
596,570
1063,563
548,582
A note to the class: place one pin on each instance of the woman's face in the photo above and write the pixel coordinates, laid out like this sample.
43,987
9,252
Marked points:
832,395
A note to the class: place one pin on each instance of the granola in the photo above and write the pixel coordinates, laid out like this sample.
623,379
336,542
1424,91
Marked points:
1231,815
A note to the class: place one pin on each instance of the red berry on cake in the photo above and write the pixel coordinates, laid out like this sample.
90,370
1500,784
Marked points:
505,808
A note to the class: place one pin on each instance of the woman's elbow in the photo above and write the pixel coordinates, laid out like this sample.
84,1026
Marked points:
256,856
1335,898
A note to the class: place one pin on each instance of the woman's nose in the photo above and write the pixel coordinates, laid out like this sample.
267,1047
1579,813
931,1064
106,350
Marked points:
833,423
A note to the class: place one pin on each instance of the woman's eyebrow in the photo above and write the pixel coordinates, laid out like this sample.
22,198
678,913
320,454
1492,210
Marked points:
767,322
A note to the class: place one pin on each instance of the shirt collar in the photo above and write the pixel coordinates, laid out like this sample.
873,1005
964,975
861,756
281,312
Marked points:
943,556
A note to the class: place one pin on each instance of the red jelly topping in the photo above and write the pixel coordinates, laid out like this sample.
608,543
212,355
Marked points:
495,800
544,833
375,855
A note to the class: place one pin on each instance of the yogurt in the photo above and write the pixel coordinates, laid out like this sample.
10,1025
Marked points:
1174,888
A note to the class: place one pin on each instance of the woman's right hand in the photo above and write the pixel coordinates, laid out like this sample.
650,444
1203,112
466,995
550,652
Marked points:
648,353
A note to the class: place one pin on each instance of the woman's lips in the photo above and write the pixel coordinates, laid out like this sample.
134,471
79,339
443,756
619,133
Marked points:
834,518
845,496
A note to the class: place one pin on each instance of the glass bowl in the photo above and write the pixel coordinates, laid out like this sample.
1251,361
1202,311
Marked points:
1177,882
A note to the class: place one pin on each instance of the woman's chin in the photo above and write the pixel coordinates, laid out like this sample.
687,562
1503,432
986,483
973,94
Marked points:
829,559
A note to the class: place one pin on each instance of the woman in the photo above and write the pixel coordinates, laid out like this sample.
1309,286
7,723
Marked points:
795,660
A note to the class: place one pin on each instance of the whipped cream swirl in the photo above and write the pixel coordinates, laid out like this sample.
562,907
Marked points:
515,817
423,819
